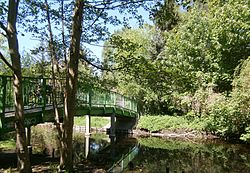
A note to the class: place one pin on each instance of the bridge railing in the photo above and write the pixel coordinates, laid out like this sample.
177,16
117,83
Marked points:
104,98
37,93
124,161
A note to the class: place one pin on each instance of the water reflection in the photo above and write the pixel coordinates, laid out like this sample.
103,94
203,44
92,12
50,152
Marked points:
102,152
156,155
159,155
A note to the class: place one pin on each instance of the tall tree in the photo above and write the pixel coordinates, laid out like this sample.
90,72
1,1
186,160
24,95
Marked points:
166,15
71,86
11,33
96,16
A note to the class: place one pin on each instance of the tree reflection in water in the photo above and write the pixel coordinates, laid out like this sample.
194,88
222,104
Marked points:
159,155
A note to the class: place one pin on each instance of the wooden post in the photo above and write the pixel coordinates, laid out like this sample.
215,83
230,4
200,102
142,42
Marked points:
28,138
3,96
105,97
86,146
87,126
112,126
44,94
90,98
123,102
114,99
2,101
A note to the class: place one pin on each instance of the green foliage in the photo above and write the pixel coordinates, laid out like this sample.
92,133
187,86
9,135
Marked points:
174,123
205,49
196,68
7,144
166,17
246,136
45,138
229,116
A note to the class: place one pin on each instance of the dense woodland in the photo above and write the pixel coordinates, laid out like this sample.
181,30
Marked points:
191,63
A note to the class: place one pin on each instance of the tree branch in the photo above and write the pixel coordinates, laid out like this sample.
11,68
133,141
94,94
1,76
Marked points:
98,45
1,33
83,57
115,4
6,62
3,27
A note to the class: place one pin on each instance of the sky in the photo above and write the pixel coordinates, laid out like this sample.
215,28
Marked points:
27,42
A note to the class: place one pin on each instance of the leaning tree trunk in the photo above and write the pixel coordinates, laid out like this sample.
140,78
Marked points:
66,159
55,73
23,163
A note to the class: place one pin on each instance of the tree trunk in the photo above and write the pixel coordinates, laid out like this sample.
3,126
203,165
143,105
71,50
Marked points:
55,73
21,146
66,160
54,64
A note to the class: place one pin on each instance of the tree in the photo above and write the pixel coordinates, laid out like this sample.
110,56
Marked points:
71,87
11,33
95,14
137,51
197,56
166,16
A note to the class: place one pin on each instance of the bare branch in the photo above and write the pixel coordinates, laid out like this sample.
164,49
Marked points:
114,4
6,62
3,27
98,45
97,18
83,57
1,33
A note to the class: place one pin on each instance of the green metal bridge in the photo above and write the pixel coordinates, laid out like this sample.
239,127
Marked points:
38,105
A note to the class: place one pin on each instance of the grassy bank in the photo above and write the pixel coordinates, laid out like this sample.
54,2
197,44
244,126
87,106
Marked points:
159,123
95,121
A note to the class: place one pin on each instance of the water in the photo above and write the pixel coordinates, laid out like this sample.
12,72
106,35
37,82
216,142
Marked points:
157,155
141,155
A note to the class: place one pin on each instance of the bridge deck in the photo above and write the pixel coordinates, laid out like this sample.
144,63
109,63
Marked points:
37,95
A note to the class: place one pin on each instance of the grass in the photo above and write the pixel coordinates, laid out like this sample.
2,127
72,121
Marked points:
8,144
95,121
164,122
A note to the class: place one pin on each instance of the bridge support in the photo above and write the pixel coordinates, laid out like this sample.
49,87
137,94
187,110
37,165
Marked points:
125,125
86,146
87,126
28,137
112,126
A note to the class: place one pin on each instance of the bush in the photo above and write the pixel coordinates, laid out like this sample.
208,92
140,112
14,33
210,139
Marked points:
229,117
44,138
246,135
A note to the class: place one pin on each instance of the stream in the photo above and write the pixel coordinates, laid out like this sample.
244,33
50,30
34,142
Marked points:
156,155
101,153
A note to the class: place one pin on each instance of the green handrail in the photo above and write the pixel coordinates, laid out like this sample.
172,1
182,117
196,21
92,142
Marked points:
37,93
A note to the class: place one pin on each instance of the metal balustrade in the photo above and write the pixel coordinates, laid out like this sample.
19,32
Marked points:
37,98
104,98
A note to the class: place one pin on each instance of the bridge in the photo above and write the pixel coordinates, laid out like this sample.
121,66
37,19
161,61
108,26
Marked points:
38,103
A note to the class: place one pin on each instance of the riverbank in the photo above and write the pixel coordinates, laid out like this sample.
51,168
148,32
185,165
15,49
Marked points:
173,127
182,134
158,126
